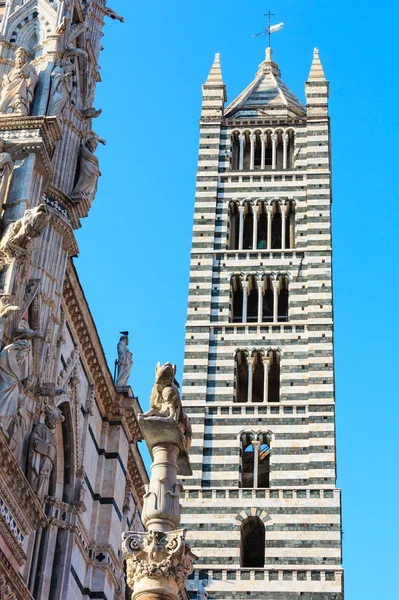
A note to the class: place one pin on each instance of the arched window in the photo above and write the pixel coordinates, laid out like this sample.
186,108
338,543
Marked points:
252,300
267,305
235,151
237,299
290,228
255,460
283,299
276,227
257,151
274,376
247,152
252,543
258,378
248,227
241,377
234,228
261,242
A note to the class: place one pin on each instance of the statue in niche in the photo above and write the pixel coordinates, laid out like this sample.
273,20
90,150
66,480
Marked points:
11,359
61,87
19,426
42,452
19,86
89,172
125,360
24,230
6,169
202,594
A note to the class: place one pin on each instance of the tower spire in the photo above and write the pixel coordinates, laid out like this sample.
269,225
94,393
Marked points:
213,92
316,70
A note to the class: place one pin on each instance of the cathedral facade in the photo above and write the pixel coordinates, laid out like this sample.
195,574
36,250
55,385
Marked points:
262,508
71,476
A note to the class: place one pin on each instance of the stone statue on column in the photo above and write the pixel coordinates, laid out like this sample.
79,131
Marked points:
42,452
159,560
19,86
125,360
61,87
20,424
11,359
88,171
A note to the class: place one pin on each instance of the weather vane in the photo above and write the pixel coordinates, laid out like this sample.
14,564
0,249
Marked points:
270,28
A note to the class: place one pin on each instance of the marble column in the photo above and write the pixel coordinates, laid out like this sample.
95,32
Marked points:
241,138
252,139
285,149
276,291
263,139
255,227
269,210
250,361
266,369
241,210
244,300
260,301
256,447
274,150
158,561
284,212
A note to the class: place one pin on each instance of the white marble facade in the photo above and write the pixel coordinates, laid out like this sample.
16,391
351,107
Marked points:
71,476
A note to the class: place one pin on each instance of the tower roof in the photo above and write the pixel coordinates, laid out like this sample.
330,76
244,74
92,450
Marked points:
267,92
316,70
215,74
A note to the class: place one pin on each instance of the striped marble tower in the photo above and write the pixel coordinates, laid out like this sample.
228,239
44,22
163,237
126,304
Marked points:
262,508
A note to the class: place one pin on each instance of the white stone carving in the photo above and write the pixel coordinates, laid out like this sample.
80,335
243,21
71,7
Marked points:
61,87
19,86
125,361
6,169
19,426
24,230
11,359
89,172
157,561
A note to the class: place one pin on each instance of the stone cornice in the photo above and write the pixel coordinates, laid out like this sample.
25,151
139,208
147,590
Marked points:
13,580
17,493
25,128
112,405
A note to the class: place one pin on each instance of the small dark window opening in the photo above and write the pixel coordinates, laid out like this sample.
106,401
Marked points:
248,230
237,298
283,300
276,231
274,378
242,377
253,543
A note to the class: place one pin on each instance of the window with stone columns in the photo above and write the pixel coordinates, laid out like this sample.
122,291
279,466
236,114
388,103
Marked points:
257,376
259,299
262,225
255,460
252,546
262,150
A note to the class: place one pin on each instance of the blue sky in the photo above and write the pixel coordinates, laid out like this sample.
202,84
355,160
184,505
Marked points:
135,244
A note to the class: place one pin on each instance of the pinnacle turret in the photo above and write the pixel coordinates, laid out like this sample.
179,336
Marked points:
213,92
316,88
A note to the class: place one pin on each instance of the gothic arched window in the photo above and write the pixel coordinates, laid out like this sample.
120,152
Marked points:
252,300
282,310
241,377
255,460
237,299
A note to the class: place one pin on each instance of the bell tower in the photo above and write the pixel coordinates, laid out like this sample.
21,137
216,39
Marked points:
262,508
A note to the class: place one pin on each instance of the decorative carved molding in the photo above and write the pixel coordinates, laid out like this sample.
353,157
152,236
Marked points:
17,494
12,586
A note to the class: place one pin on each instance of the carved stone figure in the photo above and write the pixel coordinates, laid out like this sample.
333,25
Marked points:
89,172
19,425
11,359
165,400
61,88
42,452
125,361
113,15
6,169
202,594
27,227
19,86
